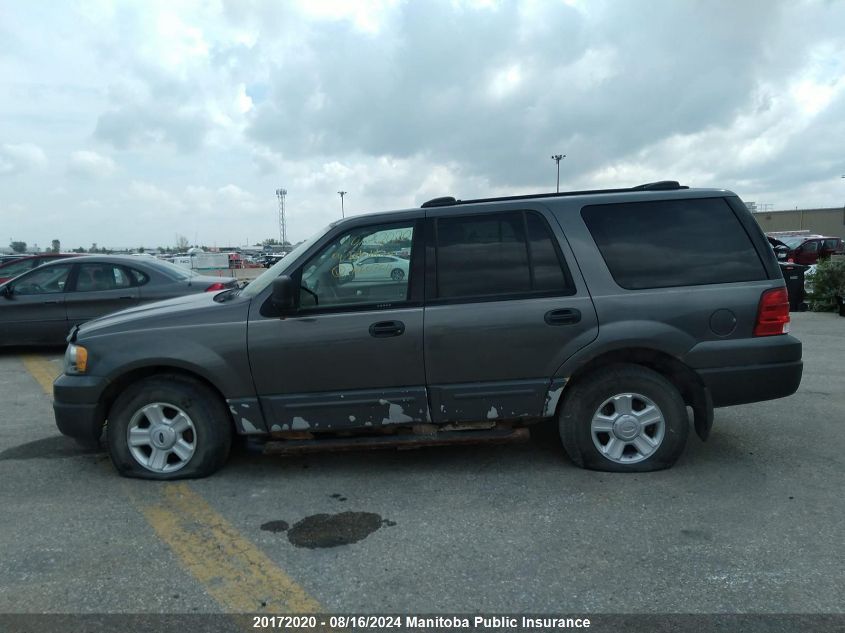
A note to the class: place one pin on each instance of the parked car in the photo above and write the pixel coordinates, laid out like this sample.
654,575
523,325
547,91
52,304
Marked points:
40,306
514,311
9,258
385,267
809,249
20,265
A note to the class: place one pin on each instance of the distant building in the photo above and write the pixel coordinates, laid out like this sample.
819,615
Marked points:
827,221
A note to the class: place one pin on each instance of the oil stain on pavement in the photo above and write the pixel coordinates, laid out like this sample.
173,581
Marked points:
330,530
47,448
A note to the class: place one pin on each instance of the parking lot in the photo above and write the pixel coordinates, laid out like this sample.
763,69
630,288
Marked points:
749,522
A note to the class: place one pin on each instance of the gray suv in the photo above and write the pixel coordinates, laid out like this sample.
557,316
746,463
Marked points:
613,312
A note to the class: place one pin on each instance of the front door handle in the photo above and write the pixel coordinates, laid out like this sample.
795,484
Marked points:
384,329
564,316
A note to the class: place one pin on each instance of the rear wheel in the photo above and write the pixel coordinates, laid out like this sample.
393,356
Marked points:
624,418
397,274
168,428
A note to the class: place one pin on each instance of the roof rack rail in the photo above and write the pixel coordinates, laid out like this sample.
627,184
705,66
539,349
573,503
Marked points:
662,185
440,202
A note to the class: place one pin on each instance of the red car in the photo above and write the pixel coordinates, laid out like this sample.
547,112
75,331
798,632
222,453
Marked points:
20,265
807,249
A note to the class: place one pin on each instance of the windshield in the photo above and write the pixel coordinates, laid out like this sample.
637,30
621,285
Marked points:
267,277
792,242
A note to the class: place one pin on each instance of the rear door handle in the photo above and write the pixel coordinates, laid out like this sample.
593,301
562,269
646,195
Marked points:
384,329
564,316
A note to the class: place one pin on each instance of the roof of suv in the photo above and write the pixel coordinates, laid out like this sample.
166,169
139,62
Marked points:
662,185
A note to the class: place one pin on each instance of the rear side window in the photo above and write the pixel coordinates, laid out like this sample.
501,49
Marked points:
498,254
673,243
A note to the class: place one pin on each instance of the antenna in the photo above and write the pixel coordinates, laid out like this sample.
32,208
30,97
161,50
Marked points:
283,231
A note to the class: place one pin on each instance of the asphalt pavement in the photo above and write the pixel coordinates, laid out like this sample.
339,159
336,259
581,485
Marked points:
749,522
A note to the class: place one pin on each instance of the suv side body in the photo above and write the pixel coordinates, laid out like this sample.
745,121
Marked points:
443,351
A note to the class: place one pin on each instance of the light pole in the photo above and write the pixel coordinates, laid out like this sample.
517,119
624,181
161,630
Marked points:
556,158
341,193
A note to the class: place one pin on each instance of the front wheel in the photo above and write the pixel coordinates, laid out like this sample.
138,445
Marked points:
168,428
624,418
397,274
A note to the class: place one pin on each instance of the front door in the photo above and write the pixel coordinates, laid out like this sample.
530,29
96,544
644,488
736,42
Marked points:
351,355
503,311
33,310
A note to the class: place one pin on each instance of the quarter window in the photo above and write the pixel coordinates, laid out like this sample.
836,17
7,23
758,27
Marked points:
138,277
659,244
498,254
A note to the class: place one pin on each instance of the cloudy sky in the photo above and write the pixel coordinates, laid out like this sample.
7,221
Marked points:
129,123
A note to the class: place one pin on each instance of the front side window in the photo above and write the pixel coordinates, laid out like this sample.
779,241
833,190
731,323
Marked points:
46,280
499,254
96,277
347,272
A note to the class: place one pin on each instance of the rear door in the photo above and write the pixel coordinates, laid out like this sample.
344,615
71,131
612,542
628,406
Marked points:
34,311
504,309
99,288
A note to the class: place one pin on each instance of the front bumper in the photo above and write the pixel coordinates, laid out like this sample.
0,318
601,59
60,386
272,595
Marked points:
77,407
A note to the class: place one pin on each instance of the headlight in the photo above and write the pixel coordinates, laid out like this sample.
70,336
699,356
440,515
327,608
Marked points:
76,359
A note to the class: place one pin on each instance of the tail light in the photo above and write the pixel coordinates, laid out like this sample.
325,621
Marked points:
772,313
216,286
791,260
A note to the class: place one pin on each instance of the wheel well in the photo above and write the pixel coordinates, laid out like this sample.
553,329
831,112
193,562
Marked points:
686,381
120,384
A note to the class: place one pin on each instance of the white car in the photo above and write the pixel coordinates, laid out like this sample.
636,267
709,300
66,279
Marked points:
380,267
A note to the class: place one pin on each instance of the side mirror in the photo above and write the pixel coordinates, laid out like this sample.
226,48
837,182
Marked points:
6,291
284,294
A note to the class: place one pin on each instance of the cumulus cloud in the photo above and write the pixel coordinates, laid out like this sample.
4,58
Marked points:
209,107
88,164
17,158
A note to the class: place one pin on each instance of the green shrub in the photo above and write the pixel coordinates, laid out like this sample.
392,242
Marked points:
828,283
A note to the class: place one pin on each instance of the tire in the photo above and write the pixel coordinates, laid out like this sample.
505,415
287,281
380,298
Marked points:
594,420
194,429
397,274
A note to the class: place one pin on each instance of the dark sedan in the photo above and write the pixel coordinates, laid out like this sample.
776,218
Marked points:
40,306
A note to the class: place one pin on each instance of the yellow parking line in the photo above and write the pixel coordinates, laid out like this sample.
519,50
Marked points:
43,370
236,573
